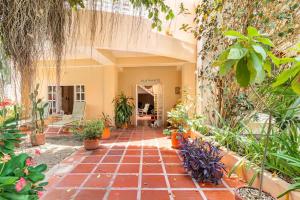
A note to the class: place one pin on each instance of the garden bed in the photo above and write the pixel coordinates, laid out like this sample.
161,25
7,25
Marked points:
272,184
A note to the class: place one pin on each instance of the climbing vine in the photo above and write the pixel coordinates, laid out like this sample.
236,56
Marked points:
277,19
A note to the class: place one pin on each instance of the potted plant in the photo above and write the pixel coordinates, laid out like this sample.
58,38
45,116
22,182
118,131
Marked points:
107,124
37,136
90,132
123,110
167,132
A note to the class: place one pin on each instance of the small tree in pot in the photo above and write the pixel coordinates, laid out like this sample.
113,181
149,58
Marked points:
37,136
90,132
123,110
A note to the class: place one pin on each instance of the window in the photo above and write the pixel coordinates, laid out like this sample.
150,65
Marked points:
79,93
51,99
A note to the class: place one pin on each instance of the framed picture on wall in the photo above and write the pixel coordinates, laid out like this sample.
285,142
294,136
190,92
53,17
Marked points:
177,90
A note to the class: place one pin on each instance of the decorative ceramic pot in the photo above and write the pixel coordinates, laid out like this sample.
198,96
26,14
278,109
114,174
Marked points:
38,139
175,140
106,133
91,144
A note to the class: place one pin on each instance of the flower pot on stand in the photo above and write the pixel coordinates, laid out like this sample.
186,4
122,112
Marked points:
91,144
38,139
106,133
242,192
175,140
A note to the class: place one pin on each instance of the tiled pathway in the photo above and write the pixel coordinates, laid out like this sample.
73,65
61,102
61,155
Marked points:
133,164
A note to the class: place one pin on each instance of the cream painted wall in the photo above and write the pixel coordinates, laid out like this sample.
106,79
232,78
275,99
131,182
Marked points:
188,79
170,77
100,86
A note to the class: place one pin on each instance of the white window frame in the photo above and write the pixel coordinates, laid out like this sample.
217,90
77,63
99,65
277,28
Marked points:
52,101
81,93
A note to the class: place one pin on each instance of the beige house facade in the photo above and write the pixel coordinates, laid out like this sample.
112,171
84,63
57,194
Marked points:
120,59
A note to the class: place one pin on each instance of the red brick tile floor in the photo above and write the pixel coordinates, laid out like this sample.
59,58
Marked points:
132,164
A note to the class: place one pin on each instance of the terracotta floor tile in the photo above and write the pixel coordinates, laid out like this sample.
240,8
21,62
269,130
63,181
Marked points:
133,147
186,195
90,195
122,195
84,168
150,152
155,194
152,168
151,159
118,147
91,159
168,152
99,152
115,152
106,168
153,181
111,159
171,159
130,159
60,194
181,181
175,169
133,152
211,185
129,168
72,180
218,195
98,180
150,147
126,181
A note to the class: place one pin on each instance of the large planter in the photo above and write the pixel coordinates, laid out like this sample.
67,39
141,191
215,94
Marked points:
272,184
38,139
238,196
91,144
175,140
106,133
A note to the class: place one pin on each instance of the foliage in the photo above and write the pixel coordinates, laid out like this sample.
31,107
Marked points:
178,116
37,112
292,74
88,130
295,163
167,132
106,119
249,56
203,161
123,109
19,177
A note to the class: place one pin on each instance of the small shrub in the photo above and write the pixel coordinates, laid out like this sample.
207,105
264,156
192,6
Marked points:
203,161
88,129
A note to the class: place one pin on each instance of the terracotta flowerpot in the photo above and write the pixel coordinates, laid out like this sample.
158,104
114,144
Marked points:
106,133
24,128
38,139
91,144
238,196
187,134
175,140
125,126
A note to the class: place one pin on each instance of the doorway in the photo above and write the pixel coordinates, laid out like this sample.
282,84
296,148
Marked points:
67,99
149,109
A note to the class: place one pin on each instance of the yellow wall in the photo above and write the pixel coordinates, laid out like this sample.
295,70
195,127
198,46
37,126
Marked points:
170,77
100,86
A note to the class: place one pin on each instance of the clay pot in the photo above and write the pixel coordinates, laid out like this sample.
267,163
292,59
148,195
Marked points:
38,139
125,126
106,133
24,128
91,144
238,197
175,140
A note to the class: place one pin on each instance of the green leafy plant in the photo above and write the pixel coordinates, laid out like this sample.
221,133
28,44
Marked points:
20,178
167,132
123,109
37,112
88,130
106,119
